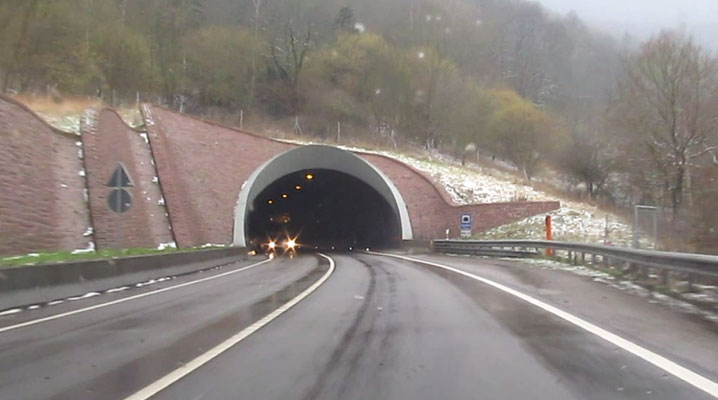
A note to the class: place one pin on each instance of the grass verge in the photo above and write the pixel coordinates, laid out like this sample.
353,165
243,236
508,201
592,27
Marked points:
57,257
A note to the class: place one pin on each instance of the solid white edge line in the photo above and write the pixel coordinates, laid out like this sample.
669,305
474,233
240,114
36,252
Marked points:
118,301
174,376
659,361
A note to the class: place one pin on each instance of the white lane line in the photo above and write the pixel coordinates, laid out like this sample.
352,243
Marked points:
167,380
118,301
659,361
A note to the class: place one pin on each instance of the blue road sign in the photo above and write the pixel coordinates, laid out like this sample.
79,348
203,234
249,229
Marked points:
465,223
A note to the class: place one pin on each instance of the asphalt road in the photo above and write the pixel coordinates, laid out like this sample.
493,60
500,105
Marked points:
378,328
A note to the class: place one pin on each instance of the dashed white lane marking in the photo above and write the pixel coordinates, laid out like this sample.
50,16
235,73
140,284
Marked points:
659,361
126,299
188,368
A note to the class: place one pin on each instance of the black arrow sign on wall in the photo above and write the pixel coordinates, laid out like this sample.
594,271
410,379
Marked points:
120,178
119,201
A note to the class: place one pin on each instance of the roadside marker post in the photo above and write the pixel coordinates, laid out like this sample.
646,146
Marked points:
549,252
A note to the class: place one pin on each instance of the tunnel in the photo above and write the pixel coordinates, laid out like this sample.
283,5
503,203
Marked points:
323,197
323,209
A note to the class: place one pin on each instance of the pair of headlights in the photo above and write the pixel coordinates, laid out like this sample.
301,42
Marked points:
289,244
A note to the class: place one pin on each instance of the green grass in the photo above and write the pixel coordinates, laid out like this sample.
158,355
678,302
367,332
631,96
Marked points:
49,258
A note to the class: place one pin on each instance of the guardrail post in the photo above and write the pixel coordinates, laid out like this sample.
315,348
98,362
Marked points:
664,277
691,279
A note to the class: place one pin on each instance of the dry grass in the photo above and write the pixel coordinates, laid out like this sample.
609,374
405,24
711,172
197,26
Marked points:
56,105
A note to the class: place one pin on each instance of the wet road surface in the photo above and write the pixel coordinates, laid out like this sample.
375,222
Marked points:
378,328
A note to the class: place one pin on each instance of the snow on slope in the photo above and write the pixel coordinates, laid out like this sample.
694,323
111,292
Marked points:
71,122
574,221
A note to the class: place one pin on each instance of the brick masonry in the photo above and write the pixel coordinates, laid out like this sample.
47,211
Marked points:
432,211
41,185
187,174
108,141
201,169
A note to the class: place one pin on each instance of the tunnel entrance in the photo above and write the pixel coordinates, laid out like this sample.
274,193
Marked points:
323,208
326,195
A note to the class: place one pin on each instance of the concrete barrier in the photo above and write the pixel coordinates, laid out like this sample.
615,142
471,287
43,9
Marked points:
44,283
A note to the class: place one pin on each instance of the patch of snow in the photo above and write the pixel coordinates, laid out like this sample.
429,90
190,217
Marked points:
155,179
34,307
81,172
90,117
89,249
80,154
168,245
144,136
212,245
149,119
85,195
131,116
161,201
702,297
88,232
55,302
33,255
65,123
62,185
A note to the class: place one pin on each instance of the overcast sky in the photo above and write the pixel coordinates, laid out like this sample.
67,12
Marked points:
644,17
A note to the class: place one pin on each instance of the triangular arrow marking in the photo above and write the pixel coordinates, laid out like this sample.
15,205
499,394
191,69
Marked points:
120,178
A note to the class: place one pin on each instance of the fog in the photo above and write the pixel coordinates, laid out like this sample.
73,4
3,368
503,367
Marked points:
642,18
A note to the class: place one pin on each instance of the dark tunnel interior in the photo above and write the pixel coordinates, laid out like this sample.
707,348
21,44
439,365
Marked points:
323,209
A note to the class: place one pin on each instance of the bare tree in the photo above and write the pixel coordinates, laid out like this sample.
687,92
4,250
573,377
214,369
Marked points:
665,104
288,56
253,81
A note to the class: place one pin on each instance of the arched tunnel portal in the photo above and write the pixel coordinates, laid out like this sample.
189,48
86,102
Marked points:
324,195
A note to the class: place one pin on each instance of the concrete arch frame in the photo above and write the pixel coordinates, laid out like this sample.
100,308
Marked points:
316,157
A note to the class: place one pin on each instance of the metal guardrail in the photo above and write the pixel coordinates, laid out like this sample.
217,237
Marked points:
690,263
